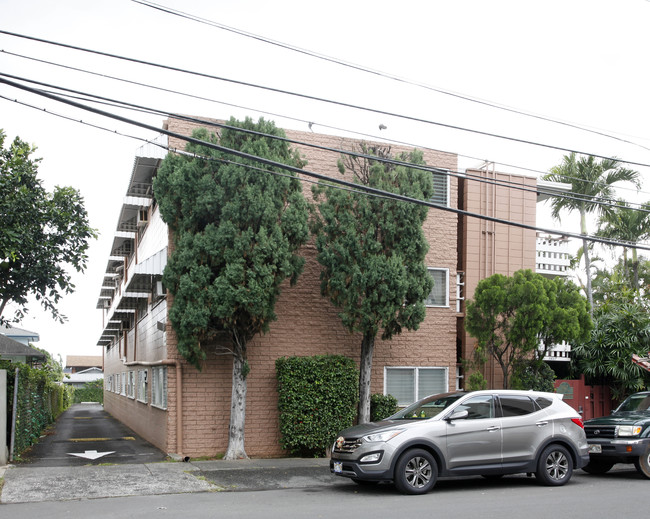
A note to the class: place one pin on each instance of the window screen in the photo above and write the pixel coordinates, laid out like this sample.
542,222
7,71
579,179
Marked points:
439,295
400,383
410,384
440,189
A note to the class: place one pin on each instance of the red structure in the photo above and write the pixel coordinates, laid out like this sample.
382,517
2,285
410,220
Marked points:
589,401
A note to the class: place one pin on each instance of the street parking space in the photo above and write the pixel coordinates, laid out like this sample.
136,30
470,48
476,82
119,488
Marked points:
86,434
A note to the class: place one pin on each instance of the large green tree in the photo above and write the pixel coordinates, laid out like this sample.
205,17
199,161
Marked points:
43,235
372,251
630,225
236,232
567,317
621,328
592,187
617,283
517,319
506,317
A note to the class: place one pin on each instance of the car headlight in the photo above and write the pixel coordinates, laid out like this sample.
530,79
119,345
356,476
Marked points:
628,430
382,436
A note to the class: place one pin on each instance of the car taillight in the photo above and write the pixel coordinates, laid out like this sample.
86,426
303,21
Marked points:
578,422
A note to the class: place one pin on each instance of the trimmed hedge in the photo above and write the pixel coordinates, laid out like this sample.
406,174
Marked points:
382,406
318,396
90,392
40,401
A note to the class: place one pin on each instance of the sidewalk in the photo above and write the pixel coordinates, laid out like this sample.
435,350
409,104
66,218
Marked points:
33,484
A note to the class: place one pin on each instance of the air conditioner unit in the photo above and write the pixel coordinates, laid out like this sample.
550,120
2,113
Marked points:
143,217
158,290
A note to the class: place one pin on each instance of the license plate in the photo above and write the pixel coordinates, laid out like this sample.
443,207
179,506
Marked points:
338,467
595,449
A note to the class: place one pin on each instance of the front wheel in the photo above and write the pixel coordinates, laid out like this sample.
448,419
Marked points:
416,472
555,466
643,463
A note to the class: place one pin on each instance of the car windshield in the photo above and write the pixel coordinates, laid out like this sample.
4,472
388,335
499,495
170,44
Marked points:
427,407
635,403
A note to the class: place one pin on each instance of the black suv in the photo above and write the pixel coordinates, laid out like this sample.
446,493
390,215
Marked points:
622,437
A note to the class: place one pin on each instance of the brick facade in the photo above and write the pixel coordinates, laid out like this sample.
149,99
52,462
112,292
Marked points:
307,325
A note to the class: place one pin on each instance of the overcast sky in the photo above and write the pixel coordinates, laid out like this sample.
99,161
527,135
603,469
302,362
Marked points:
582,62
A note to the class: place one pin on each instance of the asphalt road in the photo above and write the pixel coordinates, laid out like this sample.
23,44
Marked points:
621,493
86,434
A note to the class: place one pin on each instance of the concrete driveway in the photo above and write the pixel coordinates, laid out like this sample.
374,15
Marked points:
85,434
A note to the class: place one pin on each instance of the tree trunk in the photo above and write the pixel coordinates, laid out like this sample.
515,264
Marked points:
585,251
635,270
237,405
365,371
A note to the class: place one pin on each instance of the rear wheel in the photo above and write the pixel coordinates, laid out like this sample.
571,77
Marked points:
597,467
643,463
416,472
555,466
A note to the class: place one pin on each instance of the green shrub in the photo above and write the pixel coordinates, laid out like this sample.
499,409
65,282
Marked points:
535,375
40,400
90,392
317,397
476,382
382,406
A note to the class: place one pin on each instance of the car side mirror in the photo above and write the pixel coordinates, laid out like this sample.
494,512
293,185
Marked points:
458,415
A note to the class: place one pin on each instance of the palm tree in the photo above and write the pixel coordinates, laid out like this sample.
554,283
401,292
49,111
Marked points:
629,225
591,183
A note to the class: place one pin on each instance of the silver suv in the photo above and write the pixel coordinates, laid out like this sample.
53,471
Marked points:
490,433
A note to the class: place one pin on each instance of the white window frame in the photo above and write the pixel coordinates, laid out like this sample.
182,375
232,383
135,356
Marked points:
416,372
159,387
130,389
124,383
117,383
142,386
446,303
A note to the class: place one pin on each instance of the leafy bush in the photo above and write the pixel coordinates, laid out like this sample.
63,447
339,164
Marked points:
476,381
90,392
317,397
382,406
535,375
40,400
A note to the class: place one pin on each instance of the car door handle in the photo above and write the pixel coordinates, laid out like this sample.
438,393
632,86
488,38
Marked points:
493,428
541,424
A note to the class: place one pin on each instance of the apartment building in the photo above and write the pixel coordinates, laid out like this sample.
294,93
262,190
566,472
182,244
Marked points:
184,411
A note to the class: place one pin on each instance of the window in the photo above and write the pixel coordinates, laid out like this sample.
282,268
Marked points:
142,385
514,405
159,387
439,295
479,407
440,188
117,383
109,383
124,382
130,388
410,384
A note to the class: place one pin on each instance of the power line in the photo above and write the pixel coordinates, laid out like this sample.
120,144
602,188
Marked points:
361,68
320,99
312,174
131,106
146,85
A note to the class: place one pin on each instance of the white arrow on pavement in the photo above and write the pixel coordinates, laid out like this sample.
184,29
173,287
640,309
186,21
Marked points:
91,455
